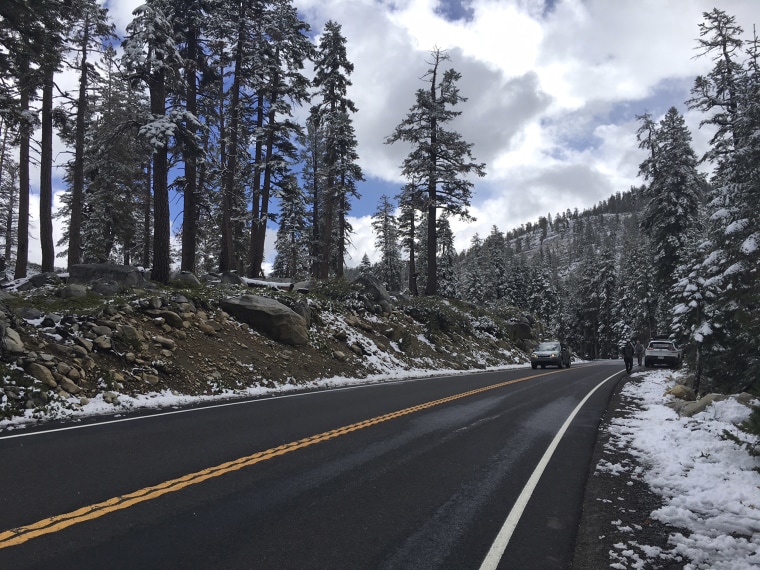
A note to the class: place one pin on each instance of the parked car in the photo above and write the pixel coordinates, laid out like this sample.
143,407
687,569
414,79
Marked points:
550,353
663,352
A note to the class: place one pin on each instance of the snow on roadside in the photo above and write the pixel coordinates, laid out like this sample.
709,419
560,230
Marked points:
709,485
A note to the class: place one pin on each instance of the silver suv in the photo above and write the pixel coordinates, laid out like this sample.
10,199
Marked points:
552,353
663,352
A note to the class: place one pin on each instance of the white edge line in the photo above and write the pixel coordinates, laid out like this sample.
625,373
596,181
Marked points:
501,541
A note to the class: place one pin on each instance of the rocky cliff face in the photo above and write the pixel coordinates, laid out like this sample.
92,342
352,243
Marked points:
65,343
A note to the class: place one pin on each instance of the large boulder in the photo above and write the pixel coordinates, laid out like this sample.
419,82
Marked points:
269,317
374,288
123,275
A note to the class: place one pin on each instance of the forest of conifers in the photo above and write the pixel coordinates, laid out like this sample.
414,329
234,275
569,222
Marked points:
198,100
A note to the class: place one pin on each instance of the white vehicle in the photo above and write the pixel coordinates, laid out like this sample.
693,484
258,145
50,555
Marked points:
663,352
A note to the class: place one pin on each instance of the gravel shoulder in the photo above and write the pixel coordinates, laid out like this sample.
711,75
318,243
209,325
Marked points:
615,529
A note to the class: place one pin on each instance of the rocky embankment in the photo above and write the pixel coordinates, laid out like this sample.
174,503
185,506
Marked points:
105,331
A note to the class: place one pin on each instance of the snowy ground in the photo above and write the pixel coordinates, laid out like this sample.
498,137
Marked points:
709,485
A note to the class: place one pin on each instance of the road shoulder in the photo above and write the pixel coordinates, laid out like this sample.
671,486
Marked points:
615,527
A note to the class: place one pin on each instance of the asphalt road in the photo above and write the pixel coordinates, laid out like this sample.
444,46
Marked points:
467,471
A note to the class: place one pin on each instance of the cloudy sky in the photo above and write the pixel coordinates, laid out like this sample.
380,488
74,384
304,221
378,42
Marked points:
553,89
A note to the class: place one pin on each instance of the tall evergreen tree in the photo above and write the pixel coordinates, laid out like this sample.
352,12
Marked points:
151,57
729,93
292,245
283,85
439,157
385,228
341,171
674,192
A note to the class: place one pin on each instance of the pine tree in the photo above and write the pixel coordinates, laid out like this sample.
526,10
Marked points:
292,245
410,201
494,247
151,57
674,192
340,168
447,282
729,93
282,86
89,30
386,233
439,158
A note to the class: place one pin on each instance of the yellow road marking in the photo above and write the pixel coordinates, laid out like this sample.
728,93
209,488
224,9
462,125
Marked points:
56,523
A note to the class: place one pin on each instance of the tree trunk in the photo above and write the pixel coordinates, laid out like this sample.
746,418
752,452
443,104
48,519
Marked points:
46,173
412,264
77,177
340,253
227,257
22,240
259,226
431,285
6,173
256,189
190,196
147,210
161,228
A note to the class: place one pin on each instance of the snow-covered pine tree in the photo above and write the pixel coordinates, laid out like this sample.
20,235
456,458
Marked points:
385,228
8,194
447,281
292,245
674,193
151,57
88,35
440,160
410,202
729,95
282,50
340,168
114,171
494,247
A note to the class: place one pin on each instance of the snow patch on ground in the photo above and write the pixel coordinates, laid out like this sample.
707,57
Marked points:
709,485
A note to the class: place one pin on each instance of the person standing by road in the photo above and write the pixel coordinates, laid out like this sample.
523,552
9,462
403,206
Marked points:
627,352
639,351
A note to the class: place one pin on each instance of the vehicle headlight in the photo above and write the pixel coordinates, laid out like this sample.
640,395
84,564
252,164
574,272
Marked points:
534,355
554,354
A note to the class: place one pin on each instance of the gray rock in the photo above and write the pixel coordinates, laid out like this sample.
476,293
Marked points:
124,275
151,379
103,342
12,342
130,335
520,330
42,279
374,288
269,317
232,278
165,342
70,386
303,309
72,290
106,288
170,317
189,279
29,313
84,343
102,330
42,373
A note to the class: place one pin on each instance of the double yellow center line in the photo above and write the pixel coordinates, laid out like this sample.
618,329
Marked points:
56,523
